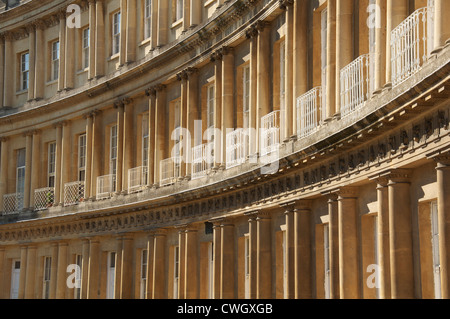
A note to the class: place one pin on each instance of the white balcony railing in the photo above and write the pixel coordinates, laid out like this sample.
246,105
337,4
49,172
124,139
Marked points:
270,133
237,147
137,179
356,84
106,186
170,170
411,43
310,112
44,198
73,193
12,203
202,159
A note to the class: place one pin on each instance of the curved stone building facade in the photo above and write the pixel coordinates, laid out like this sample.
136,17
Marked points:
224,149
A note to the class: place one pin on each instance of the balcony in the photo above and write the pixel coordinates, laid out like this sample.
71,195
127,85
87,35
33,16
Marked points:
356,84
202,159
237,147
106,186
137,179
44,198
12,203
170,170
310,112
411,44
73,193
270,133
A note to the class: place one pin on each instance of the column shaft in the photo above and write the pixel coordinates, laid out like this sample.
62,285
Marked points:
191,265
264,257
8,85
99,40
128,143
123,32
85,269
93,275
39,82
97,142
92,38
227,261
120,145
159,266
131,32
227,98
69,76
331,97
28,160
66,153
2,70
253,120
34,167
383,240
30,273
381,48
302,254
3,170
23,272
217,260
61,272
89,154
287,131
218,112
32,64
58,164
53,271
290,253
163,7
441,25
160,135
151,140
62,51
334,247
263,81
127,265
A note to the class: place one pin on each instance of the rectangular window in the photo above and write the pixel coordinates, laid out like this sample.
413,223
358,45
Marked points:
435,250
51,164
116,33
148,19
111,276
82,158
113,150
210,269
323,50
15,277
143,290
145,140
210,102
177,10
79,263
326,257
55,60
47,273
247,266
86,35
24,70
20,177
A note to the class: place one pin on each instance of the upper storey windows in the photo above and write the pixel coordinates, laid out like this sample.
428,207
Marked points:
116,20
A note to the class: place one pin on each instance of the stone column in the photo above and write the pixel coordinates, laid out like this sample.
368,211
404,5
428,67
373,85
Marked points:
53,270
302,251
61,272
155,22
128,141
348,243
253,236
151,94
92,38
192,113
227,116
118,267
381,48
290,249
252,34
150,278
8,86
31,28
217,59
159,269
163,23
263,81
441,25
191,264
85,268
217,257
127,267
3,169
2,69
334,246
160,128
66,153
383,238
344,43
70,63
264,256
30,273
35,167
120,144
89,154
39,81
331,61
23,271
62,50
123,32
97,149
400,234
184,152
28,160
181,263
227,260
58,163
186,15
443,202
99,39
396,12
93,274
287,131
131,31
300,51
195,13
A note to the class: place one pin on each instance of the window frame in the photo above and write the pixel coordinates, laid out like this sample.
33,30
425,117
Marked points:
116,24
24,71
147,19
54,58
82,148
85,47
51,164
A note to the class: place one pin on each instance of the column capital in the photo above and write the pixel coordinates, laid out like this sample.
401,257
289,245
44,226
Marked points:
396,175
346,192
4,139
150,92
160,232
160,87
284,4
441,157
39,24
30,27
216,56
